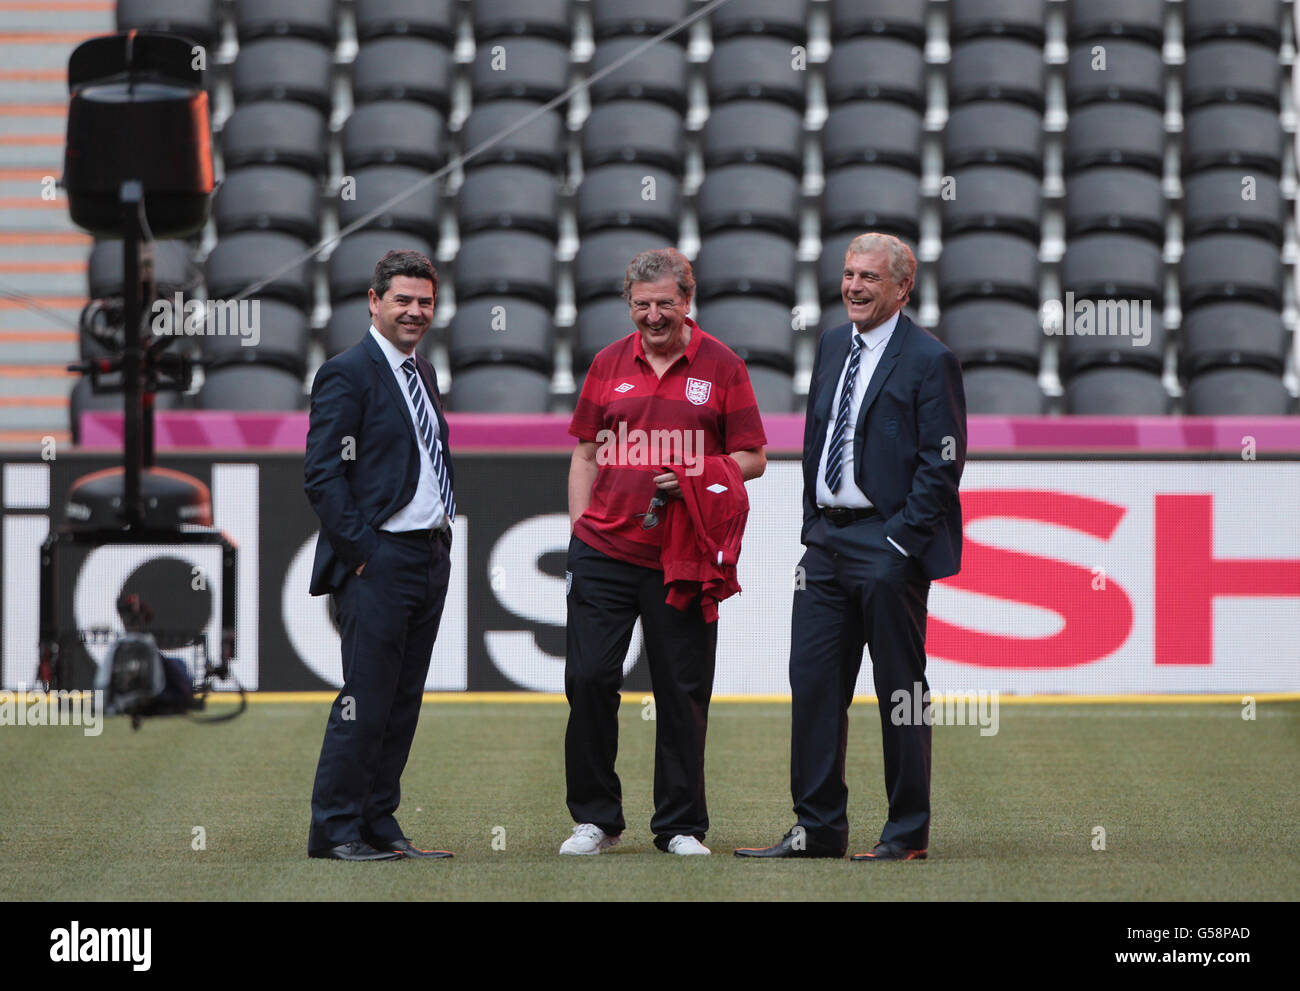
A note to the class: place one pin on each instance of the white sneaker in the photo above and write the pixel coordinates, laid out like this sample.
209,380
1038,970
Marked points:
687,846
587,841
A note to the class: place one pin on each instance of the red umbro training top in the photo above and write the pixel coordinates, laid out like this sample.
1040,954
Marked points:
703,405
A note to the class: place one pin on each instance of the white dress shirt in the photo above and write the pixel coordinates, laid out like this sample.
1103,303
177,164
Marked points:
425,510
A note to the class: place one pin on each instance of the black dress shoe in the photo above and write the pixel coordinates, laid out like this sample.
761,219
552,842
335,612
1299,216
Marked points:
889,852
356,850
796,843
407,849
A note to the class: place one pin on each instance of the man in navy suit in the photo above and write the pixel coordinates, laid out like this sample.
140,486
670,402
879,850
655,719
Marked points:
883,451
379,475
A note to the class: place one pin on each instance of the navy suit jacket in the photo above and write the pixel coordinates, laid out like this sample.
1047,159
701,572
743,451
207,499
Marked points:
909,445
357,409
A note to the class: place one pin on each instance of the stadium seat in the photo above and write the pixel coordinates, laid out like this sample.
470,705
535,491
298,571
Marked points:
1254,20
745,263
391,132
506,263
612,18
602,320
616,196
657,74
1101,20
311,19
992,133
1112,266
500,388
759,330
1119,201
1233,134
830,267
276,132
1117,391
539,143
786,19
756,133
992,265
1115,134
872,197
508,197
1223,335
242,260
753,68
991,332
283,334
417,213
1237,392
999,390
891,18
603,259
268,198
403,69
1214,201
876,69
522,18
993,198
195,19
493,329
1003,69
432,19
753,196
1232,72
864,132
174,272
349,320
773,389
520,69
625,131
250,387
1231,267
1134,73
1021,19
352,263
284,69
1143,346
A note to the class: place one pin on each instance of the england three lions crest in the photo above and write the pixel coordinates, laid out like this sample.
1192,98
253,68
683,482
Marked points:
697,391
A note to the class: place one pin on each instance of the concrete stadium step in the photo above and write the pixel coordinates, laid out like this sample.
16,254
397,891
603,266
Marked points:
85,16
38,347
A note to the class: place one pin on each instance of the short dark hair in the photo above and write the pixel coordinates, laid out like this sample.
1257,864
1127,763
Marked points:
408,263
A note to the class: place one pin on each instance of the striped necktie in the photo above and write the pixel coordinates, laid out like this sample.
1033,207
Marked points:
834,457
434,448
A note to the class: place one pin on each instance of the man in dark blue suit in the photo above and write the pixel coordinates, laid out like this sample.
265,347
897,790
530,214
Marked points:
883,451
379,475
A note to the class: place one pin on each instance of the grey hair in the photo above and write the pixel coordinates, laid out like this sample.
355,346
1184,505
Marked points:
902,263
653,265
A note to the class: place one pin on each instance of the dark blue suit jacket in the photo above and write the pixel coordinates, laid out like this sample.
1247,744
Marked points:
355,395
909,446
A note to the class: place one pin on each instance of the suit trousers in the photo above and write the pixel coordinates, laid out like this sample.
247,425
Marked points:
858,589
605,597
388,619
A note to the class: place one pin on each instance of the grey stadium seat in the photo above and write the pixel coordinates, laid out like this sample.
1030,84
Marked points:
392,132
539,143
612,18
876,69
276,132
863,132
991,133
657,74
1022,19
603,259
751,196
773,389
1117,391
522,18
615,196
417,213
754,68
268,198
746,263
601,321
283,335
530,69
352,263
501,328
313,19
285,69
506,263
241,260
1112,266
432,19
1134,73
871,197
1231,267
1123,134
1232,72
1128,201
1214,202
252,387
1256,20
508,197
1142,347
1140,20
500,388
756,133
1233,134
994,198
1231,335
759,330
891,18
992,265
830,267
992,332
403,69
999,390
195,19
349,320
1236,392
173,270
625,131
997,69
786,19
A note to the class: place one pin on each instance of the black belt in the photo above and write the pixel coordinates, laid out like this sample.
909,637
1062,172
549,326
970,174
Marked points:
843,517
417,534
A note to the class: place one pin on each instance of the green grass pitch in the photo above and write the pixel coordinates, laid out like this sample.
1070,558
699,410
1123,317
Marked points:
1196,803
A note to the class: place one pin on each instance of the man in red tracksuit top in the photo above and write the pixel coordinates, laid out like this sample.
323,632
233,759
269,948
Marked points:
668,393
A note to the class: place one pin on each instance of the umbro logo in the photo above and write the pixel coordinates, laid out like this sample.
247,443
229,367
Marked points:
625,387
717,488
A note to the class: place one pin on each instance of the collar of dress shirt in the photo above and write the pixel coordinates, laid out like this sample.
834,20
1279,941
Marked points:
394,356
877,336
